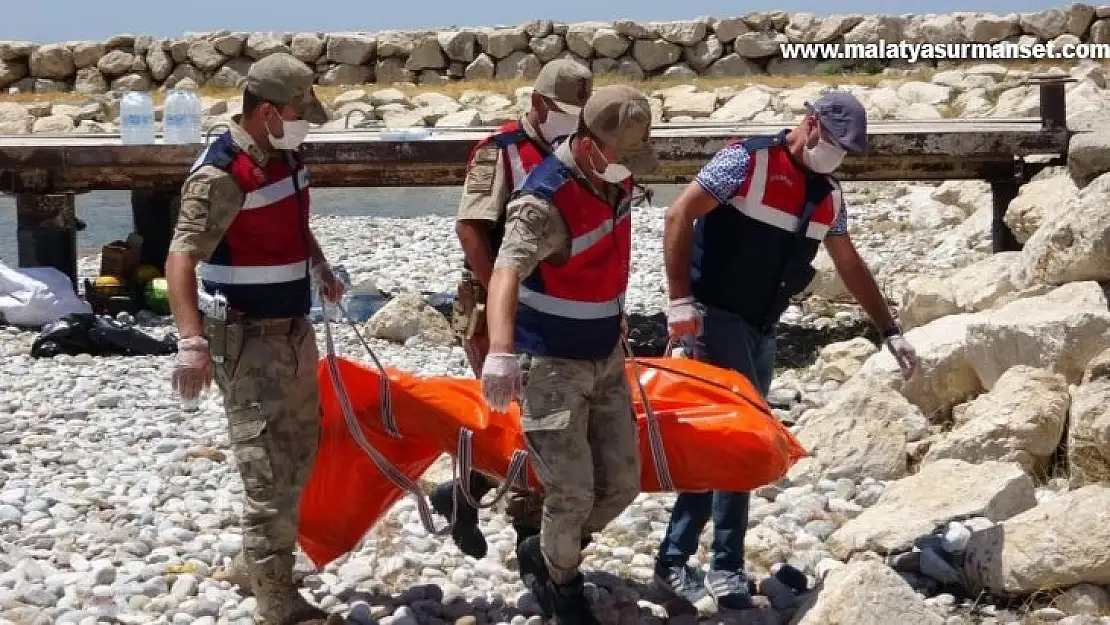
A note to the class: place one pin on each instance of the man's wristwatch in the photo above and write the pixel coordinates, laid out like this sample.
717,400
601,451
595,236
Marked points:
892,331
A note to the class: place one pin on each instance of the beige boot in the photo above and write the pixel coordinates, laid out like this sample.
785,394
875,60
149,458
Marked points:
279,601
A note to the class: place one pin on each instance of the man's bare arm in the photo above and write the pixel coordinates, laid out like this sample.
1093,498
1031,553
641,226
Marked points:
858,279
678,236
474,237
181,277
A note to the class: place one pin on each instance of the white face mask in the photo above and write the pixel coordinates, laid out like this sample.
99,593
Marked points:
295,134
824,157
614,173
558,124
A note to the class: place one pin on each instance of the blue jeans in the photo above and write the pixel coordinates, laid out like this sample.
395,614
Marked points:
729,342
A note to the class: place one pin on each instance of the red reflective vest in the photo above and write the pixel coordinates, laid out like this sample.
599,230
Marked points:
573,309
752,254
261,263
520,155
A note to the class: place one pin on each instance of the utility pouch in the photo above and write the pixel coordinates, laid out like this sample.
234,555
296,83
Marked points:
216,331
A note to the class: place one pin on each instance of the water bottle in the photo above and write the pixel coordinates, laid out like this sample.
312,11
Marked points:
174,118
196,127
136,117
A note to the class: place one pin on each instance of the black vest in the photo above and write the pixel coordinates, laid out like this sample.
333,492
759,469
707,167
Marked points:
751,268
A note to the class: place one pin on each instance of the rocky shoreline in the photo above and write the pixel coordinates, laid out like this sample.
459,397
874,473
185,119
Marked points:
705,46
974,494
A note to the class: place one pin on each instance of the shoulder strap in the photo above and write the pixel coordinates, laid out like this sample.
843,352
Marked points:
510,137
545,179
755,144
817,187
219,154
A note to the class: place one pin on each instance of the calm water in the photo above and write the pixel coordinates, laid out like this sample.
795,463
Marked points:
108,213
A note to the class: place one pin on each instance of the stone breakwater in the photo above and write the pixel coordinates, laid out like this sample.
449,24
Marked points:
706,46
986,90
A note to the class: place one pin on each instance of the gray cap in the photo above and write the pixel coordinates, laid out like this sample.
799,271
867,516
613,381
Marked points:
282,79
620,117
842,115
567,82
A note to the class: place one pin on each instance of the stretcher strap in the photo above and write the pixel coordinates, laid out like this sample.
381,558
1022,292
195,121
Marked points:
655,433
391,472
516,475
384,399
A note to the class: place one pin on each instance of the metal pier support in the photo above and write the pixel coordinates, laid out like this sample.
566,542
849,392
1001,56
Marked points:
46,232
154,213
1054,117
1002,193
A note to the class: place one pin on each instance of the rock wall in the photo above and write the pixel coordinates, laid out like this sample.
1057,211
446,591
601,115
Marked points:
708,46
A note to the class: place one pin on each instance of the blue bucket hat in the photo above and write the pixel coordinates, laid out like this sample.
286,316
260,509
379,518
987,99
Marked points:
843,116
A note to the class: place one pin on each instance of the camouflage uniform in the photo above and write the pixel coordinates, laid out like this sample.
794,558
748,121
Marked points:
267,378
576,414
486,192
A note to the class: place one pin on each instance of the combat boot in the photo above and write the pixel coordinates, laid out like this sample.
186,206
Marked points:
569,603
534,573
279,601
464,531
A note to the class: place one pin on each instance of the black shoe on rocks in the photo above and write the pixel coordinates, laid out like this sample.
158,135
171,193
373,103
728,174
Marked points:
534,574
465,532
570,605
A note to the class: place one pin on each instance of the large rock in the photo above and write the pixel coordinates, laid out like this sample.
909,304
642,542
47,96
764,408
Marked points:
1060,331
52,61
941,492
1088,156
1089,425
945,378
350,49
691,104
865,593
976,287
407,316
861,432
963,354
1060,543
655,54
840,361
827,283
1020,420
1073,245
1038,201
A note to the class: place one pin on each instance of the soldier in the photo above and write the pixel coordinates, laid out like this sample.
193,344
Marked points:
738,244
243,231
556,298
497,166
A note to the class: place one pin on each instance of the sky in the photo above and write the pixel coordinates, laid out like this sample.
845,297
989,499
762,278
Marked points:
70,20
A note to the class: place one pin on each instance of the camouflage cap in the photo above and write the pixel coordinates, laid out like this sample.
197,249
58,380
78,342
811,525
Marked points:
620,117
567,82
282,79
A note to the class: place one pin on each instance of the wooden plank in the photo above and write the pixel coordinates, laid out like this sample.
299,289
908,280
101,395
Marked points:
904,150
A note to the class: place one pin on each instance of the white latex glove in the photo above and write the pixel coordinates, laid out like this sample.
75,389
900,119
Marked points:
193,371
501,381
683,318
904,354
331,288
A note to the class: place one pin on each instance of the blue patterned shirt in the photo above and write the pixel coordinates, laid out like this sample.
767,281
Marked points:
722,176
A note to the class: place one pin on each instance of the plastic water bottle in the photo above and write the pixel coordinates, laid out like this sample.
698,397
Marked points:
181,117
174,120
136,116
196,129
